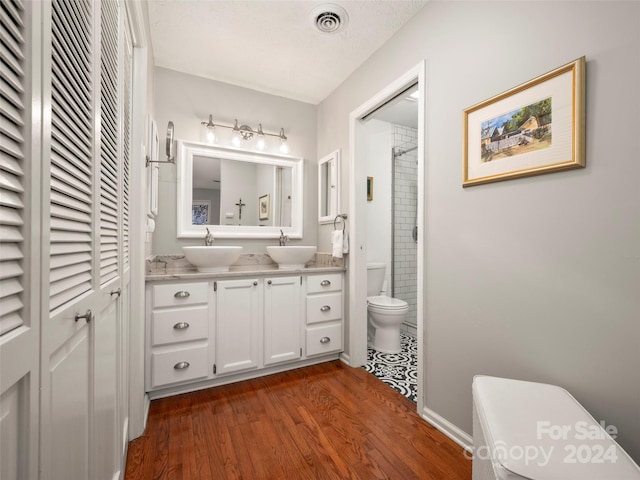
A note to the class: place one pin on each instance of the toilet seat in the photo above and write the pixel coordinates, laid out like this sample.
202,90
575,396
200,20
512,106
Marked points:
382,302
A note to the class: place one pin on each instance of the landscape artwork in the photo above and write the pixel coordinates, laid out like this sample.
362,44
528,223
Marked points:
533,128
524,130
264,207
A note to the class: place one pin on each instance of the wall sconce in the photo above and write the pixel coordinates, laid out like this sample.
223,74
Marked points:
244,133
171,156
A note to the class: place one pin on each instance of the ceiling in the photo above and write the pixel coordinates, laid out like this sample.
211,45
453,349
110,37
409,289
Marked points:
270,45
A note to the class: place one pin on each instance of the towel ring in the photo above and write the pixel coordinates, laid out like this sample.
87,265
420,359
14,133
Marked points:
343,216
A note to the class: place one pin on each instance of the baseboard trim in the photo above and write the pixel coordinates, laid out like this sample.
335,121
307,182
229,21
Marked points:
459,436
147,405
344,358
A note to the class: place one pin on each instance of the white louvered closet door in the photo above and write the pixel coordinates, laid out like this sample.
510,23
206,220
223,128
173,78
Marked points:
82,215
19,341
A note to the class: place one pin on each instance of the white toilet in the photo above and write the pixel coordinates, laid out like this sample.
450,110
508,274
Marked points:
385,314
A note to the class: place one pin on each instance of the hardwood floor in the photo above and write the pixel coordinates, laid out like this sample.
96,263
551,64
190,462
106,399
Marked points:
327,421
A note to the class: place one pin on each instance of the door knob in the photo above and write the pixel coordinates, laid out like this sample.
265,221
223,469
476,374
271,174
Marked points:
117,292
86,316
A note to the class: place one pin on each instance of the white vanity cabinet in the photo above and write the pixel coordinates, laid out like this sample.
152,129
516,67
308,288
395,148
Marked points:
282,319
178,331
238,311
219,330
324,314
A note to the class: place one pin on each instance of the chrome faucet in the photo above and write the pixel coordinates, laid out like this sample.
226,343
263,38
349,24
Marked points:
283,238
208,239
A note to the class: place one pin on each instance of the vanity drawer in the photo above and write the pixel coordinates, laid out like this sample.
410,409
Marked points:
176,294
179,366
324,339
324,308
324,283
180,325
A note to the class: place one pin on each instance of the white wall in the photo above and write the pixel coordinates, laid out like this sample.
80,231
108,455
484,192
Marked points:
378,210
535,278
239,184
187,100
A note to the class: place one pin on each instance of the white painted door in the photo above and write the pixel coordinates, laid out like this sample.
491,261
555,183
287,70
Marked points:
237,319
19,325
84,236
282,319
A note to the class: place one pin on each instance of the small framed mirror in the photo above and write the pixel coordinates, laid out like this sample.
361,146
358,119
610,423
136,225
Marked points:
329,187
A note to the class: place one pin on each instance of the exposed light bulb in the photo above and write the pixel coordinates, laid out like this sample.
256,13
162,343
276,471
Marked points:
261,143
284,148
209,131
210,136
235,139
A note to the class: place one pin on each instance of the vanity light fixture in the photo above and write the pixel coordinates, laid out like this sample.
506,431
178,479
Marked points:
242,133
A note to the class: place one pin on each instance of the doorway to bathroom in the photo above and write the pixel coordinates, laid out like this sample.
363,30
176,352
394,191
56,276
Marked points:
387,193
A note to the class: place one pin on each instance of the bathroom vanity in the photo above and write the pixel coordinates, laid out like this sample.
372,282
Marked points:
204,330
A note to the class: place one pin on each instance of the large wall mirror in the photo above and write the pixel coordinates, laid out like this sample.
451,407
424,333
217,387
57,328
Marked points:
238,194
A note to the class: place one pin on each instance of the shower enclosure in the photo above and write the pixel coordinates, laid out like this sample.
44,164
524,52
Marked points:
404,211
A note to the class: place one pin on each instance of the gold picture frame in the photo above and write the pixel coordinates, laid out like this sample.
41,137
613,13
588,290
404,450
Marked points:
537,127
369,189
264,207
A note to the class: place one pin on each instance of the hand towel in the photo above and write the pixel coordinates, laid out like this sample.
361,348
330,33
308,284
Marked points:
345,242
337,243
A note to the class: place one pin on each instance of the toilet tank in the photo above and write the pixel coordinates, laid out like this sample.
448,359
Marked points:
375,278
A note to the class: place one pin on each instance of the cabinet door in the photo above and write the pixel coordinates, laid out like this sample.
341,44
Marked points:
238,318
282,319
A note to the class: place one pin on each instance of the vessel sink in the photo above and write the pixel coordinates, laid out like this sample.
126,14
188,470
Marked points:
212,259
291,257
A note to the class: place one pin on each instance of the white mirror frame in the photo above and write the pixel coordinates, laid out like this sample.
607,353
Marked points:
333,161
186,152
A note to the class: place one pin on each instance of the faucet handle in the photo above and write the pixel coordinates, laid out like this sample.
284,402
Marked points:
208,238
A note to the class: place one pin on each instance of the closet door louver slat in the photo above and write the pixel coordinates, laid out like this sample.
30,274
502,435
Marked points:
109,213
126,154
12,160
71,221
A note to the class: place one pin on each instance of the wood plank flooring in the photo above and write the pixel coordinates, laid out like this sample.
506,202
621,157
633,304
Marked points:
327,421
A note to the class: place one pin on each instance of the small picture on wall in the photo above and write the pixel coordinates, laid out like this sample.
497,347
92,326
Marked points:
369,189
200,212
264,207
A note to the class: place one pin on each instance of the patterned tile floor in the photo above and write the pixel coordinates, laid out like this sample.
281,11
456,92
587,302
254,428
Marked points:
398,370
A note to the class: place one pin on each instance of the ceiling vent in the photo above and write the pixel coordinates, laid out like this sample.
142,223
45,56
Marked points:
329,18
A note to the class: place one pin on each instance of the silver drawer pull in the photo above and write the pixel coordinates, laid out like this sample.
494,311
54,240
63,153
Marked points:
325,340
325,308
181,294
181,326
325,283
181,365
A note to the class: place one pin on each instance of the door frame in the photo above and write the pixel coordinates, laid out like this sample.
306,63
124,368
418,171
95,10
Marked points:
357,203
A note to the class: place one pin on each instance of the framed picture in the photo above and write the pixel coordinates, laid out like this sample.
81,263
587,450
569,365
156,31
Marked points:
537,127
200,212
264,207
369,189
